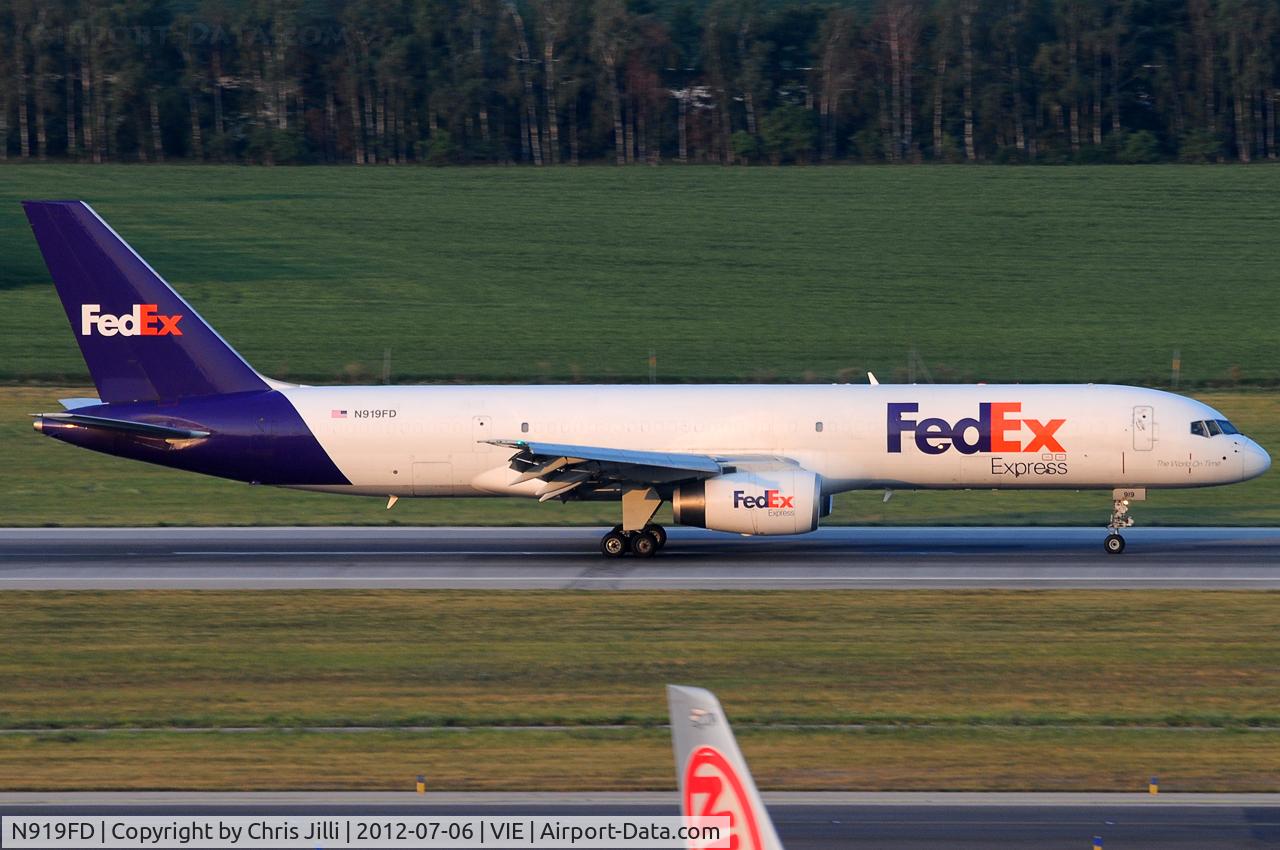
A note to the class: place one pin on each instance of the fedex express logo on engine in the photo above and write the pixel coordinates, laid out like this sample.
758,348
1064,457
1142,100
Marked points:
770,499
997,428
145,320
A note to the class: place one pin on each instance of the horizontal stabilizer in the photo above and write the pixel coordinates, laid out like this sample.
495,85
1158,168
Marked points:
77,403
124,426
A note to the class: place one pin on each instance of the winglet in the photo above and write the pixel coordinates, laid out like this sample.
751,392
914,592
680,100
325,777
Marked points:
871,378
712,774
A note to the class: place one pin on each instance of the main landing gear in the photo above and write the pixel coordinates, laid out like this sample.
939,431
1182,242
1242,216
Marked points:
644,543
1114,543
636,534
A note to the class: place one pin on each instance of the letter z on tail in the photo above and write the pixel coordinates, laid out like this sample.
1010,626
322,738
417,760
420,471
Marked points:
711,772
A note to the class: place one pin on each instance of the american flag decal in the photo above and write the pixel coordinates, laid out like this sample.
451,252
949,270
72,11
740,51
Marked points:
338,414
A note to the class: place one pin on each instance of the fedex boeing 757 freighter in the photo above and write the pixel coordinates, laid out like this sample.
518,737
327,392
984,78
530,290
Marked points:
744,459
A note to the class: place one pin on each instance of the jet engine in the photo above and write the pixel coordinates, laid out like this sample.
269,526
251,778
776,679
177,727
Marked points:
772,501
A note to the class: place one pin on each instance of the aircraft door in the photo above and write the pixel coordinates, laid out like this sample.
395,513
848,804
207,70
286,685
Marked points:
1144,428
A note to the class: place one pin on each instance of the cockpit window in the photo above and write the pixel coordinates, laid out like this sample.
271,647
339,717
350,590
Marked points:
1212,428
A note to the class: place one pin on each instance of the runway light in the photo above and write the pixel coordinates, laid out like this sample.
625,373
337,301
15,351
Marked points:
422,784
1153,787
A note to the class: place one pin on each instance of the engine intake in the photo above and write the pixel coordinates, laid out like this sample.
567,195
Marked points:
781,501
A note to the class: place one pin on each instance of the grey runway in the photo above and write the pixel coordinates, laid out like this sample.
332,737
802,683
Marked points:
805,821
540,558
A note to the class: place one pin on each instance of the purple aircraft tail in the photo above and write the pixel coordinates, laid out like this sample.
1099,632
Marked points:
141,341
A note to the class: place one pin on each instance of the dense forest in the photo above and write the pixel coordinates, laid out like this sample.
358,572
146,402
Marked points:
634,81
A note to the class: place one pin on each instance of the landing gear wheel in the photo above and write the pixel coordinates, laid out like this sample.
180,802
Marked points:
659,533
614,544
644,544
1114,544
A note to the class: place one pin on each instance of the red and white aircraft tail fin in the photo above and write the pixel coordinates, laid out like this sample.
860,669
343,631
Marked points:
712,774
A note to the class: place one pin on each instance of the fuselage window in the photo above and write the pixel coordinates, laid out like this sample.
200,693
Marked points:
1214,428
524,427
817,426
1199,429
1227,427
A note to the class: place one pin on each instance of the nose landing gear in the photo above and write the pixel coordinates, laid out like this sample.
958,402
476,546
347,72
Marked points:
1120,498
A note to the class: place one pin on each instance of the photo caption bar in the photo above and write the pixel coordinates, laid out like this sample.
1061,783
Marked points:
287,832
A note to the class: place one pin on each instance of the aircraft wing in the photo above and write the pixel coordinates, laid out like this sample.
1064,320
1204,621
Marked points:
574,466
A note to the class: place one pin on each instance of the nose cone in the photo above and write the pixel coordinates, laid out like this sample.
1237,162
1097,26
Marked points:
1255,460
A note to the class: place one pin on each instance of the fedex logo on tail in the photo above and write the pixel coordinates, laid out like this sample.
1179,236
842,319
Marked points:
997,428
145,320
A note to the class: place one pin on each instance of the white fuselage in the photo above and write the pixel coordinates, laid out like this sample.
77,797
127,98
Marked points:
431,440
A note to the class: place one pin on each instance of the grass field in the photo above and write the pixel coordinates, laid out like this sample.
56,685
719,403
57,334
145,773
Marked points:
52,483
908,759
997,273
995,690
